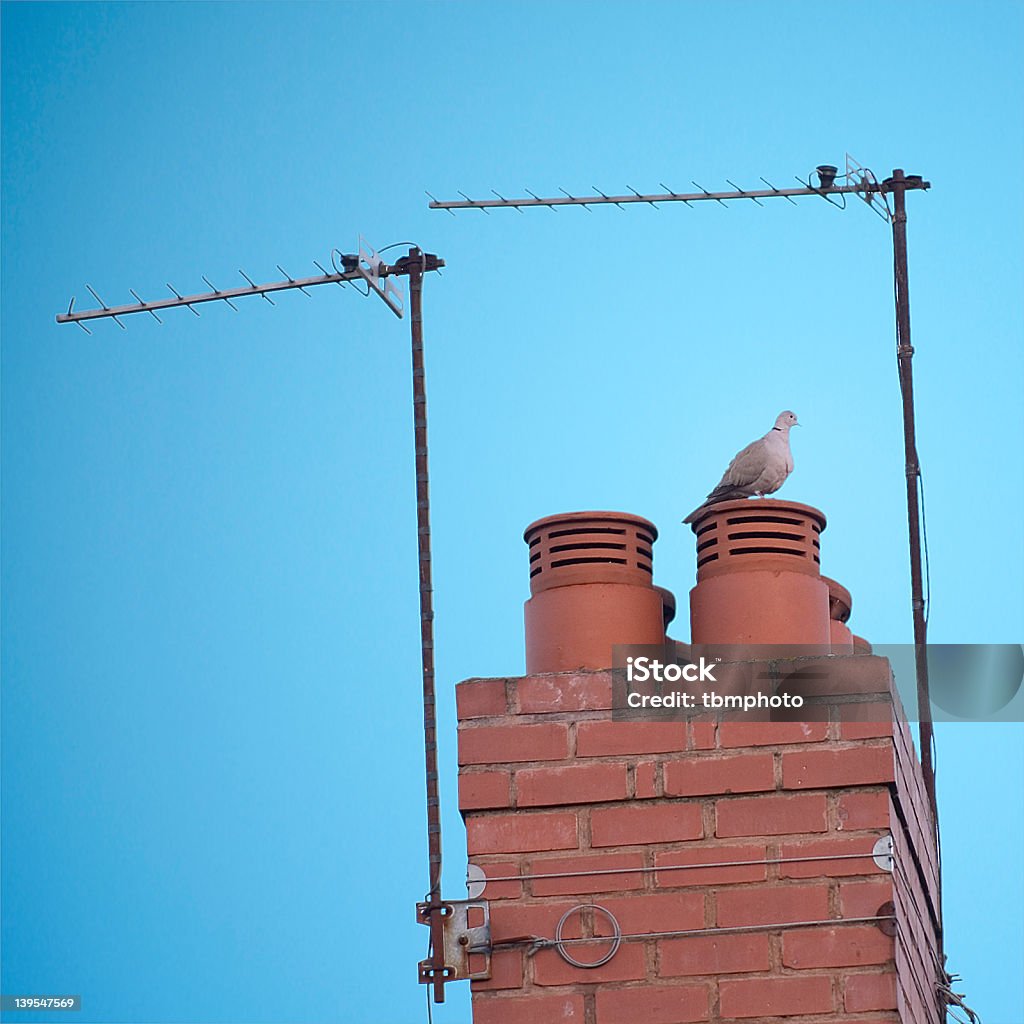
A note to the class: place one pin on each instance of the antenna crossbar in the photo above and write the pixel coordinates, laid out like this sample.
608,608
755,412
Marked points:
76,316
366,266
862,188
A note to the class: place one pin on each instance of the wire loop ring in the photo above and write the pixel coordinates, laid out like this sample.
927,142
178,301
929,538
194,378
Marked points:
615,938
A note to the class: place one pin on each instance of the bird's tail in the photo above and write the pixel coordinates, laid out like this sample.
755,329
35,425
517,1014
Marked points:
723,492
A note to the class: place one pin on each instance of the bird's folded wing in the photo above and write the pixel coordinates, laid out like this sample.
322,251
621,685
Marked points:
748,465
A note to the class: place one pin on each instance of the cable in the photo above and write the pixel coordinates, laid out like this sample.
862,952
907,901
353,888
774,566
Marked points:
956,999
927,612
924,539
868,854
538,943
900,875
426,988
334,264
915,506
917,464
824,193
926,926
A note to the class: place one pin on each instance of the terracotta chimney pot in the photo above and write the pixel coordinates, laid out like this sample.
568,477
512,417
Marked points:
591,585
758,575
840,604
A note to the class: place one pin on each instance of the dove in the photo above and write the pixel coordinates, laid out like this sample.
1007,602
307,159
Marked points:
761,468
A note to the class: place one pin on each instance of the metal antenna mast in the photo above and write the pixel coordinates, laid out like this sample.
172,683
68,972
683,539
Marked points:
367,266
898,185
859,181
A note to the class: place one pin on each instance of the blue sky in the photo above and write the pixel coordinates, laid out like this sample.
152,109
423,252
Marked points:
212,750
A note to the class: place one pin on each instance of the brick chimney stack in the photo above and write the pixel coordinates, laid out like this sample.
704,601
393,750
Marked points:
745,864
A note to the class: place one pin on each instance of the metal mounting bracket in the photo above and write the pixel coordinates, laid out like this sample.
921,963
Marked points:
882,852
461,940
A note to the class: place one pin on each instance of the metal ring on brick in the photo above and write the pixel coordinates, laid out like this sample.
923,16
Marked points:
615,938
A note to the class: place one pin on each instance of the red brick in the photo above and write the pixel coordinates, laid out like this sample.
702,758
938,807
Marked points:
595,739
481,698
478,790
639,826
587,882
864,809
514,920
498,744
628,964
889,1018
502,890
737,773
565,1008
758,734
506,971
564,692
702,735
771,815
660,912
853,766
737,678
775,904
573,784
646,780
865,720
775,997
714,954
829,847
846,946
864,865
520,833
711,875
832,676
869,992
649,1004
862,899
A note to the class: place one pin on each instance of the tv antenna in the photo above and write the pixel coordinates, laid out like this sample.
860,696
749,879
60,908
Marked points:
833,188
858,180
447,919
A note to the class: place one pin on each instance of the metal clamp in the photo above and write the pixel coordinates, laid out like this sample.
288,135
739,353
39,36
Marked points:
461,940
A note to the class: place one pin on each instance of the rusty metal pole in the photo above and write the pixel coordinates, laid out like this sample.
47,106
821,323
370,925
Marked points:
898,185
416,262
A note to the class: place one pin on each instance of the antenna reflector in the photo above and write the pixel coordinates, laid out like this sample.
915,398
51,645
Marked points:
369,269
867,188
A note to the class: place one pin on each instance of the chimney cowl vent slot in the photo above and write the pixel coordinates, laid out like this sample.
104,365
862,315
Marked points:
758,534
590,547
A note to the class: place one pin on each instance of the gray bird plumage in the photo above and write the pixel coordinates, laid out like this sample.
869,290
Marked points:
761,468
